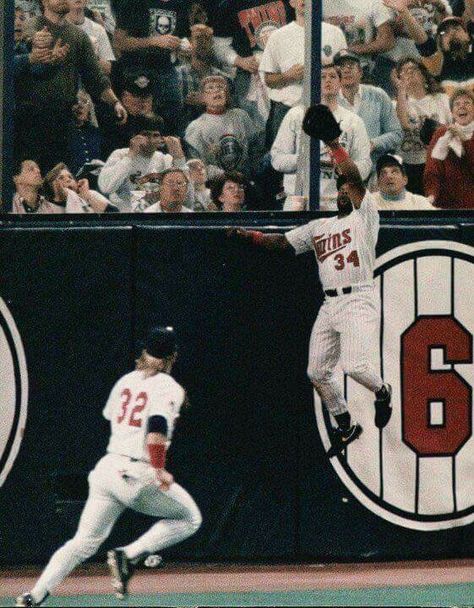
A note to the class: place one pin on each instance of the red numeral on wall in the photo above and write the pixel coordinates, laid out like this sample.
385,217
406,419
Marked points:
423,386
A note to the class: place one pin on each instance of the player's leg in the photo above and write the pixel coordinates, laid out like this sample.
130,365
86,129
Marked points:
324,353
180,518
100,513
359,326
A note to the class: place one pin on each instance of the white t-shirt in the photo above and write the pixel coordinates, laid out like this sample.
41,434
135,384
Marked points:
344,247
103,6
156,208
358,20
286,147
409,202
99,39
412,149
133,400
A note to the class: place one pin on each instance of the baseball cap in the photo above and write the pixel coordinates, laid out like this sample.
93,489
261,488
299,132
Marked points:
390,160
447,21
161,342
139,83
345,54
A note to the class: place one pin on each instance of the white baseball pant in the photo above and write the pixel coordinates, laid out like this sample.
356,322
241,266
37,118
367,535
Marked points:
115,484
345,329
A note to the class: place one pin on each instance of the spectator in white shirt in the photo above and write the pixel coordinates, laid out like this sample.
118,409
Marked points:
149,152
172,194
392,182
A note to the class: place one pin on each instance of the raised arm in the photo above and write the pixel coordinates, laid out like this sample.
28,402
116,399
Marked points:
273,240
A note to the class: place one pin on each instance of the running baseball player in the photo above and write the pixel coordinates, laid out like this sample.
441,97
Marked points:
344,246
142,408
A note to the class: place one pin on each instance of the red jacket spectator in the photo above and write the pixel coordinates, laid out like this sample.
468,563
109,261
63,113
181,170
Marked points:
449,171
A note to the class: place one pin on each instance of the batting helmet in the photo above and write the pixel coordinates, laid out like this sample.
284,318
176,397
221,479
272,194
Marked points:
161,342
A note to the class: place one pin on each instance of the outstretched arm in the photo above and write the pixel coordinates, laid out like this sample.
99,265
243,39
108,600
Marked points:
269,241
346,166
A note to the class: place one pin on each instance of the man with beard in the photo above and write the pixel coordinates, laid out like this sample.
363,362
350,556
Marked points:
347,322
44,105
148,154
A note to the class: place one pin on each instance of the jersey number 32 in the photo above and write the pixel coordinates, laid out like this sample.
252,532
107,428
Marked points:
138,403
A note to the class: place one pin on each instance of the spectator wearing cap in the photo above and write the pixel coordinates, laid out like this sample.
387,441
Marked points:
136,95
282,64
449,54
74,196
367,26
392,182
419,100
371,103
228,191
96,32
44,105
449,172
148,153
172,193
192,72
224,138
148,35
85,139
27,198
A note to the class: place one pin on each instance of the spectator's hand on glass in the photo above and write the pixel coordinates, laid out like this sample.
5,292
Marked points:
295,73
249,64
120,112
166,41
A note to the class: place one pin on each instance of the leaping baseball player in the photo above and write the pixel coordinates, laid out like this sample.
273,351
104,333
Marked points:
344,246
142,408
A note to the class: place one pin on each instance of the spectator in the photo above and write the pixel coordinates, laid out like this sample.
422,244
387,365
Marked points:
353,138
148,35
451,54
172,195
192,73
419,97
228,191
97,34
392,182
137,98
103,14
412,17
31,57
44,105
224,138
27,198
242,29
286,150
199,196
29,8
149,153
449,173
366,25
72,195
371,103
85,137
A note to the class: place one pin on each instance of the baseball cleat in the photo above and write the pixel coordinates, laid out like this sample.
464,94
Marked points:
383,409
340,439
28,600
121,570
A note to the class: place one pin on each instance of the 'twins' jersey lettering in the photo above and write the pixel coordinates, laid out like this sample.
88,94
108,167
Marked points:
326,246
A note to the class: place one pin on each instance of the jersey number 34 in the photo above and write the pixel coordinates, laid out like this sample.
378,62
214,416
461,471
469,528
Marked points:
139,403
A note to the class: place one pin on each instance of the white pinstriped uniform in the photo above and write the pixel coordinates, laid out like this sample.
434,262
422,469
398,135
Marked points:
124,478
347,323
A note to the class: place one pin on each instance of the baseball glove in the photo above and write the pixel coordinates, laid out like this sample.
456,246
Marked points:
319,122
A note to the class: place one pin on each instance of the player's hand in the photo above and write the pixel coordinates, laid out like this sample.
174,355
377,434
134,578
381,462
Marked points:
238,233
295,73
164,479
166,41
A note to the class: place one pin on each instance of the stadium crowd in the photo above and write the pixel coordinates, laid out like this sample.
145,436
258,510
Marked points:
196,105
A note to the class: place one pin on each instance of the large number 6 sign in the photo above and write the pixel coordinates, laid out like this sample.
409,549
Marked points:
423,386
